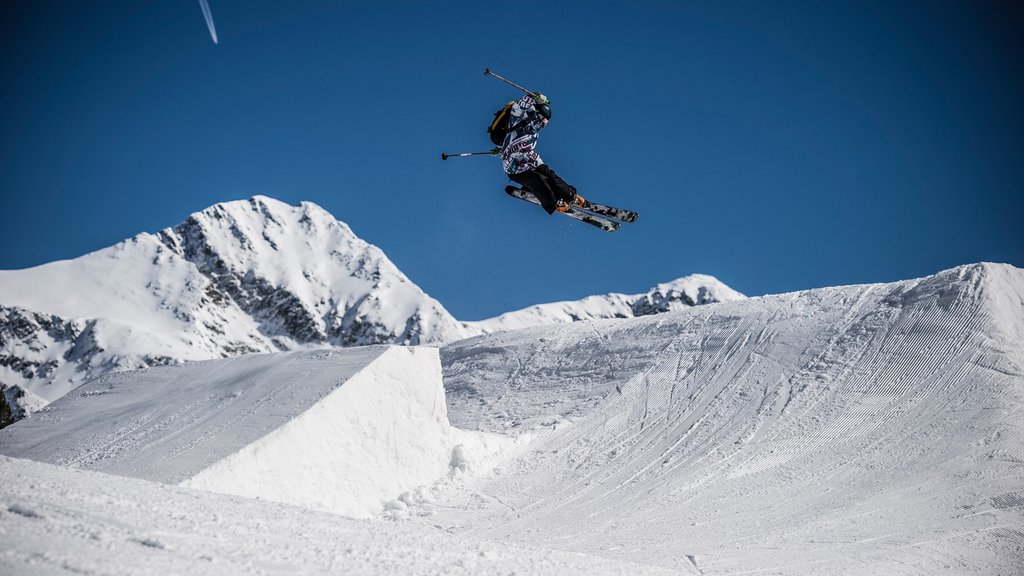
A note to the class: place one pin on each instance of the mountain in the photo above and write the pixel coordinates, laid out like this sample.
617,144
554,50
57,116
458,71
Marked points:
239,277
679,294
872,429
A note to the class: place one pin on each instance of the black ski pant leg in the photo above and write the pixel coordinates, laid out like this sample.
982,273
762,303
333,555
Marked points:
547,186
537,186
562,189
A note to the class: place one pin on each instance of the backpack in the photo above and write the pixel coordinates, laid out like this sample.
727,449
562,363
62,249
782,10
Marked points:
499,128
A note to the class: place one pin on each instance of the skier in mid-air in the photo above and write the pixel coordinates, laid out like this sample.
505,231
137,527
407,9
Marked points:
527,117
514,132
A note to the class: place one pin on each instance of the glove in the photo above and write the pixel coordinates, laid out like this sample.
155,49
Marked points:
540,98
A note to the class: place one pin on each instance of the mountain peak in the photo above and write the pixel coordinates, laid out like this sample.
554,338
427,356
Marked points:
679,294
255,275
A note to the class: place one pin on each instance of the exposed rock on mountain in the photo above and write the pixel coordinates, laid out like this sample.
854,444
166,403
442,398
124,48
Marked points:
236,278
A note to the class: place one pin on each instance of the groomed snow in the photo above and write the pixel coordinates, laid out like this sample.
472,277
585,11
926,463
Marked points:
868,430
55,521
347,431
862,430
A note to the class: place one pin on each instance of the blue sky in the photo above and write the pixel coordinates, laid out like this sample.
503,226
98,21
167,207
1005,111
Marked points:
776,145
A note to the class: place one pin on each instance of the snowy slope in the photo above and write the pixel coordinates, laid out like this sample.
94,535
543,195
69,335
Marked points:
59,521
239,277
870,430
694,290
345,430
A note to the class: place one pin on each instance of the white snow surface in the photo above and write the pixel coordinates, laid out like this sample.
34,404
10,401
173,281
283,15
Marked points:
160,282
346,431
693,290
868,430
239,277
55,520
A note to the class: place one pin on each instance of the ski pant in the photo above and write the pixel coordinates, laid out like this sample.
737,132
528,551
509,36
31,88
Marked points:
547,186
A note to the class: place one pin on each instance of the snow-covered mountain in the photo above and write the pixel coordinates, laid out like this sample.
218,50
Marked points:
872,429
679,294
239,277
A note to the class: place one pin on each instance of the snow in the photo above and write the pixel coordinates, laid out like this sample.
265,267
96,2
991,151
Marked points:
120,284
871,430
383,433
681,293
346,431
169,423
237,278
55,520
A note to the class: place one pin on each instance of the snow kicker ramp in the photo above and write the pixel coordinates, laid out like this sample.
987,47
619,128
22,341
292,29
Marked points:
869,430
339,430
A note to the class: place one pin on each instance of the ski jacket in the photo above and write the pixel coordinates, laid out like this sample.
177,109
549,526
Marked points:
517,152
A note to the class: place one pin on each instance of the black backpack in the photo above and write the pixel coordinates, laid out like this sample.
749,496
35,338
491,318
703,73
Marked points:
499,127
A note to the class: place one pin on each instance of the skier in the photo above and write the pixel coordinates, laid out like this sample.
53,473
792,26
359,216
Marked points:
514,132
521,162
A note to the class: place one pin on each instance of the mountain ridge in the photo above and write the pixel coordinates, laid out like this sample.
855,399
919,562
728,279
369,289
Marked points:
681,293
238,277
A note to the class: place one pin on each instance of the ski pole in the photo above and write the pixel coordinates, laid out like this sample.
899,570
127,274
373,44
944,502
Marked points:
492,152
487,72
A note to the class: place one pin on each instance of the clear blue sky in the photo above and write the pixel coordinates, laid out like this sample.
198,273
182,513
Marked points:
776,145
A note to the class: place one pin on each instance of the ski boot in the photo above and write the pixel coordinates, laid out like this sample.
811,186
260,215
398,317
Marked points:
565,205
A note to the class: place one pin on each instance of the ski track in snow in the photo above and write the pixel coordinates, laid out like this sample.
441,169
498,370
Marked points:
836,431
870,430
55,520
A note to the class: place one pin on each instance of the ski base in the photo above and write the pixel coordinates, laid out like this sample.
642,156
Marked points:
592,219
610,211
620,214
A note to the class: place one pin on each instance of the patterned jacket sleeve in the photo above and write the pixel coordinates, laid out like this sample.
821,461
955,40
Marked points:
518,153
523,109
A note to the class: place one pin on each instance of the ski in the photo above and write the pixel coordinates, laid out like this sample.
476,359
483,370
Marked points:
601,209
610,211
585,217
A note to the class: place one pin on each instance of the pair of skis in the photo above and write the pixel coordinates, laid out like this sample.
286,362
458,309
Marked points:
606,218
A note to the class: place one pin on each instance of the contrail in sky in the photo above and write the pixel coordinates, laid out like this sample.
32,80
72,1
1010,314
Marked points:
209,19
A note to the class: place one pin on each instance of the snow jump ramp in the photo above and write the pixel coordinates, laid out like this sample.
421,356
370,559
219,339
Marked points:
338,430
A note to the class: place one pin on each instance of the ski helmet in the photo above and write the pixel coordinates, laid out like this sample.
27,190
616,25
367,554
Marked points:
544,110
